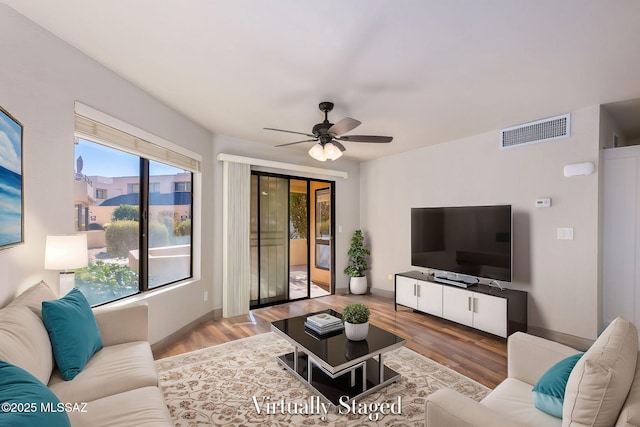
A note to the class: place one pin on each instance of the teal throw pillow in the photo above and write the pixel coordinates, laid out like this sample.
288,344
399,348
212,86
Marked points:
26,402
548,393
73,332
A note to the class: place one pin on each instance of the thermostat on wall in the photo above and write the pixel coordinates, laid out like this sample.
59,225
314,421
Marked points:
543,203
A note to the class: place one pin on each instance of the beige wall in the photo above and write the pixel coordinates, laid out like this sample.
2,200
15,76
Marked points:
40,79
561,276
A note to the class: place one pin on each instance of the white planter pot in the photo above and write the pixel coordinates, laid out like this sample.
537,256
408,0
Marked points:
356,331
358,285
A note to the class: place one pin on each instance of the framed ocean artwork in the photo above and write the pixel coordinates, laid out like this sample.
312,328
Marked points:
11,197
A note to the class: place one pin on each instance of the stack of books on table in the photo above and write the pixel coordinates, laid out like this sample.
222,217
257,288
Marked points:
323,323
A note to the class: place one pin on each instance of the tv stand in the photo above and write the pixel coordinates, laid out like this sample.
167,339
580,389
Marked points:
484,307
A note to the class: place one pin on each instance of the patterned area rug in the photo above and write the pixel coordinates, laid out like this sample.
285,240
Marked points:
233,383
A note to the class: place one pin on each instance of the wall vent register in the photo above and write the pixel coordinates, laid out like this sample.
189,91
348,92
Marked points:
539,131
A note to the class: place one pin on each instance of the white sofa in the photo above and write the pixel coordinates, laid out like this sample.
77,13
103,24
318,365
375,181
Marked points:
119,384
603,388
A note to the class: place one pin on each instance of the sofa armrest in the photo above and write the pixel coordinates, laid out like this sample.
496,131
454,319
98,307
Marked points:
123,324
529,357
448,408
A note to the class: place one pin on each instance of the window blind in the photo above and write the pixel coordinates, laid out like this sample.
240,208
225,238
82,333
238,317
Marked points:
106,135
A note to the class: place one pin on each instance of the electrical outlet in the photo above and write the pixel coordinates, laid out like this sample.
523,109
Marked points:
390,277
206,296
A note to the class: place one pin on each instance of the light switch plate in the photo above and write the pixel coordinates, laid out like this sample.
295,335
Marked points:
565,233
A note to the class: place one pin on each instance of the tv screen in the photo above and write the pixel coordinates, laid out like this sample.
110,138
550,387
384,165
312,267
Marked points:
471,240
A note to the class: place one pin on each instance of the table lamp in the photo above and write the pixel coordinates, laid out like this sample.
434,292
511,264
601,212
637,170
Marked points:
66,252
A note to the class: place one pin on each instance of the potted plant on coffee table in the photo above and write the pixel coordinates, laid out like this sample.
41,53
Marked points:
356,321
357,264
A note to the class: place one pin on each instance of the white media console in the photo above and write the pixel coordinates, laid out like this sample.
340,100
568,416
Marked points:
483,307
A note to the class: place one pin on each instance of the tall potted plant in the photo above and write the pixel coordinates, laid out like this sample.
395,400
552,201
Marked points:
357,264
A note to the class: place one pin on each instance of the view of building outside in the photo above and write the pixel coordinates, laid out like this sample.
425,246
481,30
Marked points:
108,206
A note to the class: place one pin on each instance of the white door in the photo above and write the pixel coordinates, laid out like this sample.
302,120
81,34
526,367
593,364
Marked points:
490,314
457,305
621,234
406,291
430,298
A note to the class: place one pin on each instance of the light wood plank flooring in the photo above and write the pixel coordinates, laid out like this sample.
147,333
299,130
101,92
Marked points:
480,356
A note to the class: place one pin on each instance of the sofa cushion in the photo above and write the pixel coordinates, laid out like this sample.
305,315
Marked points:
23,397
143,407
114,369
24,341
630,414
73,332
548,392
600,381
34,296
514,400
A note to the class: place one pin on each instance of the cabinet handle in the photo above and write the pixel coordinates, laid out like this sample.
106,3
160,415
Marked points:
469,303
414,290
475,305
418,287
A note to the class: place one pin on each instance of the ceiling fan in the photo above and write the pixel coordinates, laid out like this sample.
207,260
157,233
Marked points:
329,136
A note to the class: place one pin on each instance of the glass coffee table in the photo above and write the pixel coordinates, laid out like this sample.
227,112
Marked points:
336,368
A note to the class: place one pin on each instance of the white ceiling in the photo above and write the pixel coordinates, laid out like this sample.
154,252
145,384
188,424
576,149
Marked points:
423,71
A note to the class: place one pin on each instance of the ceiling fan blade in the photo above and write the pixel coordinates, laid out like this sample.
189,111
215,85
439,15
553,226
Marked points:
290,131
297,142
343,126
340,146
365,138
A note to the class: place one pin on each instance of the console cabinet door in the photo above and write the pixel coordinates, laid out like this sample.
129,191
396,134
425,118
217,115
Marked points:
406,292
457,305
490,314
430,298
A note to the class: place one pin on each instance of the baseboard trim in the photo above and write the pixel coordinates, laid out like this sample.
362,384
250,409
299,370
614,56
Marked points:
578,343
383,293
168,340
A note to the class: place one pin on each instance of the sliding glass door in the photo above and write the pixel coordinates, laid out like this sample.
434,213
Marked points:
270,246
291,238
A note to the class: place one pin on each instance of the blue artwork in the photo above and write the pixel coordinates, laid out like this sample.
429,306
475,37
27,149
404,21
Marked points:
10,180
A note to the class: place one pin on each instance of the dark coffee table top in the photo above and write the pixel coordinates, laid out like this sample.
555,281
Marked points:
334,351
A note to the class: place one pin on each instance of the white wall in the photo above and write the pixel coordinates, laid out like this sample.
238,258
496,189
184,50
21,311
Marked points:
346,190
561,276
40,78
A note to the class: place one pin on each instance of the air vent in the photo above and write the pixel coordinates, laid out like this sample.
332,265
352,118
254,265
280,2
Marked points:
534,132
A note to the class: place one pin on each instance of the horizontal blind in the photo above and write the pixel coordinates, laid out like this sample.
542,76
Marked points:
98,132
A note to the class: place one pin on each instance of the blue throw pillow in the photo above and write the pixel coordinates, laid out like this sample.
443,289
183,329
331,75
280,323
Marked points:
26,402
548,393
73,332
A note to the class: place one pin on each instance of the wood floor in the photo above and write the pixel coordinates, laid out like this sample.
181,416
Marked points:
480,356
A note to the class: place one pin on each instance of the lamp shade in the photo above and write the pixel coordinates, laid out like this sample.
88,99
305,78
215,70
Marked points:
332,152
65,252
317,152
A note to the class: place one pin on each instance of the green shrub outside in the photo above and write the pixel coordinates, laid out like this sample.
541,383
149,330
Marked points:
126,213
184,228
158,235
122,237
101,282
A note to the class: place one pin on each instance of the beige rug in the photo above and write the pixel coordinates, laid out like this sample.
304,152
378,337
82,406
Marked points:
231,385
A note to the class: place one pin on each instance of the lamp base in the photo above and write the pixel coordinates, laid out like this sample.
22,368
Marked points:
67,282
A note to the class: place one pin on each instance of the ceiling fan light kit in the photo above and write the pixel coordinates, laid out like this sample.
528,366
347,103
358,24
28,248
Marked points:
328,136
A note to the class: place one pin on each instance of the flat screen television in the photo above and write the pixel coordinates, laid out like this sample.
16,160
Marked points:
469,240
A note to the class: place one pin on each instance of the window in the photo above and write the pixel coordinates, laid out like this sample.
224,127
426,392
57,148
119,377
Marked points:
141,238
101,193
133,188
182,186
